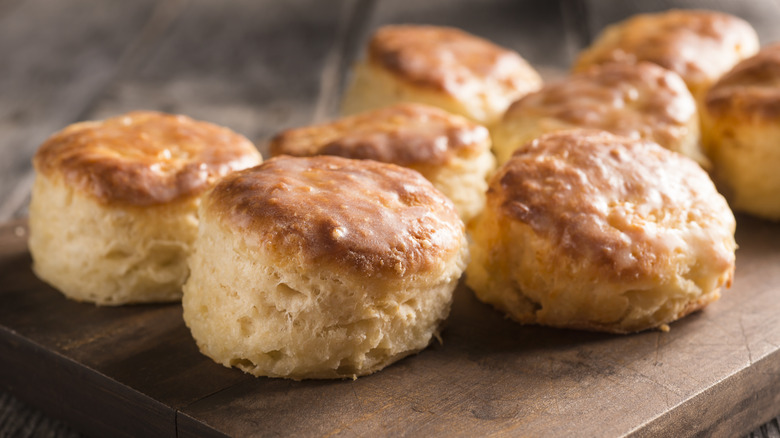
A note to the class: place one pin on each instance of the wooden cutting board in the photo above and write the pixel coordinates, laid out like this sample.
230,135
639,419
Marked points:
136,371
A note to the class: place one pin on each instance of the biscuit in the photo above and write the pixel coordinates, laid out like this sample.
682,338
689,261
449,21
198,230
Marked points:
114,203
322,267
641,101
450,151
742,123
440,66
587,230
699,45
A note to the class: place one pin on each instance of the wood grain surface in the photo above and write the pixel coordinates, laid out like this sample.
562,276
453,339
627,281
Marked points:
135,370
261,66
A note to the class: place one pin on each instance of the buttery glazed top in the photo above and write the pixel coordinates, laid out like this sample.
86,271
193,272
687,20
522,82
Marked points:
751,90
144,157
628,205
404,134
362,215
634,100
450,60
698,45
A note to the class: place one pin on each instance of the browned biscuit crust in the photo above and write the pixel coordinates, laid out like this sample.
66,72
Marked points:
584,229
360,215
741,123
143,157
751,90
587,192
699,45
406,134
449,60
634,100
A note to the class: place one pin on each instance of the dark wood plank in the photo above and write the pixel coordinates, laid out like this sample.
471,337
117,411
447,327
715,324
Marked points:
107,371
145,347
19,419
715,373
90,401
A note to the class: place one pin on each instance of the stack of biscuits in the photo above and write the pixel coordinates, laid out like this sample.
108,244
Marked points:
585,203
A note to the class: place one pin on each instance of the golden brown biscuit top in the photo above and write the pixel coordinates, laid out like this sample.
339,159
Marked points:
751,89
375,218
404,134
144,157
450,60
698,45
634,100
629,205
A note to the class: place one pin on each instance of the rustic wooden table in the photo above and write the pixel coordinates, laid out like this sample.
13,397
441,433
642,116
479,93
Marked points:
256,66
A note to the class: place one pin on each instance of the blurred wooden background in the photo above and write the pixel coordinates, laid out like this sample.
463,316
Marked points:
256,66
